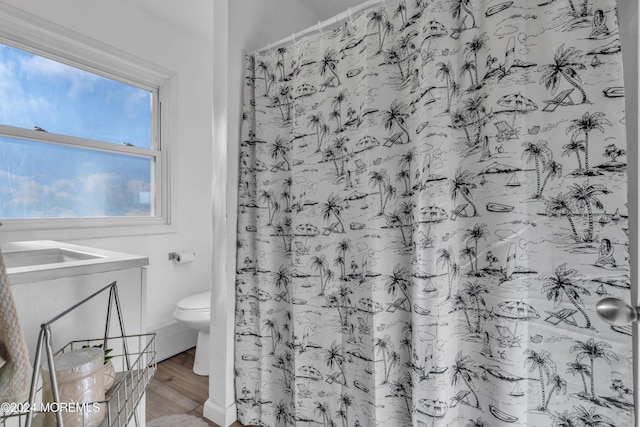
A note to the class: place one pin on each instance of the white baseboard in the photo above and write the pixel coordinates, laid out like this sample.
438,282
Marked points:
173,338
222,416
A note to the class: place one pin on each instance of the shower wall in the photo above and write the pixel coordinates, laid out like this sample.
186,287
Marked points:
628,20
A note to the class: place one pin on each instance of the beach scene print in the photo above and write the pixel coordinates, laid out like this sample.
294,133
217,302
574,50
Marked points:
432,200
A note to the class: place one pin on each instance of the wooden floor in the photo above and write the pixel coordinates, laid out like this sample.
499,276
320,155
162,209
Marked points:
175,389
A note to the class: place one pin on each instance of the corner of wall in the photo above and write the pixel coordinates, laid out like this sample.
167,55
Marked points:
172,339
219,415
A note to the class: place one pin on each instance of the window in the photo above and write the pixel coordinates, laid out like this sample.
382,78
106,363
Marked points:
80,133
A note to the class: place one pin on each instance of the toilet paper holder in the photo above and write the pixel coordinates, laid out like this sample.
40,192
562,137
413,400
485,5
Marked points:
181,256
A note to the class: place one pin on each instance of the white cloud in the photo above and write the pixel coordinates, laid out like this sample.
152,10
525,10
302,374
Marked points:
98,182
65,213
19,108
79,81
133,102
92,195
135,186
63,190
40,66
27,194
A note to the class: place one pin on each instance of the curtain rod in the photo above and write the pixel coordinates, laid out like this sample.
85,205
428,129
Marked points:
320,25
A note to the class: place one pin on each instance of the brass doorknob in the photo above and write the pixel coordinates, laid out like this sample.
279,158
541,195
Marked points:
617,312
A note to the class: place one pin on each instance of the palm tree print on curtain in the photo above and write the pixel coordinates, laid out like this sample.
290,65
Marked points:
431,203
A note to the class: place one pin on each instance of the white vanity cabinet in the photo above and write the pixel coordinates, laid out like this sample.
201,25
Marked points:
38,302
47,278
44,287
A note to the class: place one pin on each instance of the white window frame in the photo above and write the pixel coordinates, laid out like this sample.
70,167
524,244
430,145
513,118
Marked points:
27,32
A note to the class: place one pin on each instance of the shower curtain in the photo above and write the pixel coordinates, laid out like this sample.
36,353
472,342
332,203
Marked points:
432,200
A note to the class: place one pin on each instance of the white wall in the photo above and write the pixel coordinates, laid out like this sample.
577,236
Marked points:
148,29
628,17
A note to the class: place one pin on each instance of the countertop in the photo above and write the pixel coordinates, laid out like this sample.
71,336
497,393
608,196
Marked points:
61,260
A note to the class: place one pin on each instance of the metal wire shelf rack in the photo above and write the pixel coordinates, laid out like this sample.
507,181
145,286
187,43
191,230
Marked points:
133,358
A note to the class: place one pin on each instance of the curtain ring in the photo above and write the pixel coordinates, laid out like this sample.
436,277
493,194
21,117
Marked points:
293,37
268,46
350,17
319,27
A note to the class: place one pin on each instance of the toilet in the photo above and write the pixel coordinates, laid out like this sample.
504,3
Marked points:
195,312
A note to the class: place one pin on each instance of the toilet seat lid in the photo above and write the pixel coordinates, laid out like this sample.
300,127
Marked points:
201,301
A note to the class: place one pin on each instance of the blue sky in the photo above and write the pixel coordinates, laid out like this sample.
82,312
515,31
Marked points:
44,180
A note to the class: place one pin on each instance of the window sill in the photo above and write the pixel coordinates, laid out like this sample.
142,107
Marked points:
82,228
